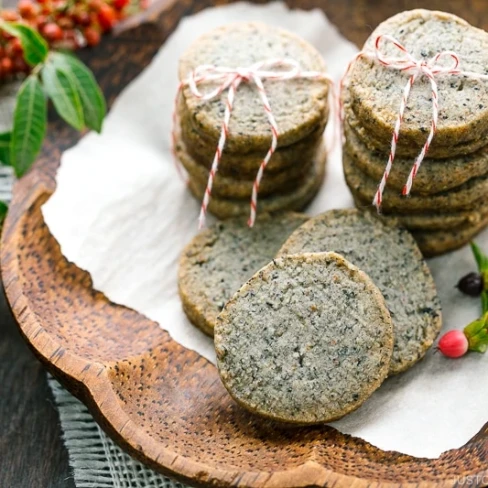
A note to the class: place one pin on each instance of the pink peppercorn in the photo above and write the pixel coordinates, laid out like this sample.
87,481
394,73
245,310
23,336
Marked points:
453,344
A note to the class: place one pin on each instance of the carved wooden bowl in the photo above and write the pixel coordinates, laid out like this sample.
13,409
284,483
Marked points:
162,403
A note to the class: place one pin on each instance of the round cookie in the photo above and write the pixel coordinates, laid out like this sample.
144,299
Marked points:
465,197
429,221
392,259
376,90
297,199
228,187
217,261
245,166
434,176
299,105
375,143
306,340
442,241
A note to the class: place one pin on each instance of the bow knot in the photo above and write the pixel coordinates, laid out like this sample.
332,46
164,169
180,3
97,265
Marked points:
408,63
244,73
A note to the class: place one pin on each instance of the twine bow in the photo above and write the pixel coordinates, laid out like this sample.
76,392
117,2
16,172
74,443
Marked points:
416,68
229,79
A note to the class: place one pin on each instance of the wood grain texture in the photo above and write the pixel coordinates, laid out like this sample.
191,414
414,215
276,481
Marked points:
162,403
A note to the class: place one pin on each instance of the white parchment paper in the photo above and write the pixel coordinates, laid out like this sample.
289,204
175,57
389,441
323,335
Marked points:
121,212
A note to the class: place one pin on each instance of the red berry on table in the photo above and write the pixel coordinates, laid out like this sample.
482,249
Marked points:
6,66
120,4
14,48
82,18
95,5
106,17
52,32
9,15
46,8
27,9
453,344
65,23
40,21
92,36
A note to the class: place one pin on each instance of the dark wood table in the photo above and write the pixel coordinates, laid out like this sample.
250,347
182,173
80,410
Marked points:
32,454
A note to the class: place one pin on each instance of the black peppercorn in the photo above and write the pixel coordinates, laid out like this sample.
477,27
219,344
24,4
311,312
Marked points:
471,284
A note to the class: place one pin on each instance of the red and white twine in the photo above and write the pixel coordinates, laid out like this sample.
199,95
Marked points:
229,79
415,68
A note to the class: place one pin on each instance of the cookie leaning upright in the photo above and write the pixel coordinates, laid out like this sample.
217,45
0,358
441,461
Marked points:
391,258
415,107
306,340
252,97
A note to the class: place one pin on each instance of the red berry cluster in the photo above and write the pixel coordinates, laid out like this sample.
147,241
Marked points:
65,24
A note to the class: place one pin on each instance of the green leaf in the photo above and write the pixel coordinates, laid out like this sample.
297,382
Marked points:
29,127
480,257
93,101
64,93
3,211
477,334
5,139
34,46
484,301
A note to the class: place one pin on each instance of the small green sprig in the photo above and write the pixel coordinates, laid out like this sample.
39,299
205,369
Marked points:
482,263
56,76
477,334
474,337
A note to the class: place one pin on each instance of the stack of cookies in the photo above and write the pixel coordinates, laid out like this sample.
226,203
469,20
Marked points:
299,105
448,204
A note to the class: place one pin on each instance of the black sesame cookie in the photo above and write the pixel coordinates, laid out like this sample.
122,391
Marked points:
434,176
434,243
215,264
244,166
465,197
306,340
299,105
429,220
296,199
382,143
228,187
392,259
376,90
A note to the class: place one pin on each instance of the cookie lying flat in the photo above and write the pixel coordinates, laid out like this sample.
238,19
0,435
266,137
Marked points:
299,105
391,258
215,264
434,243
465,197
383,143
228,187
245,166
434,176
297,199
306,340
429,221
376,91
